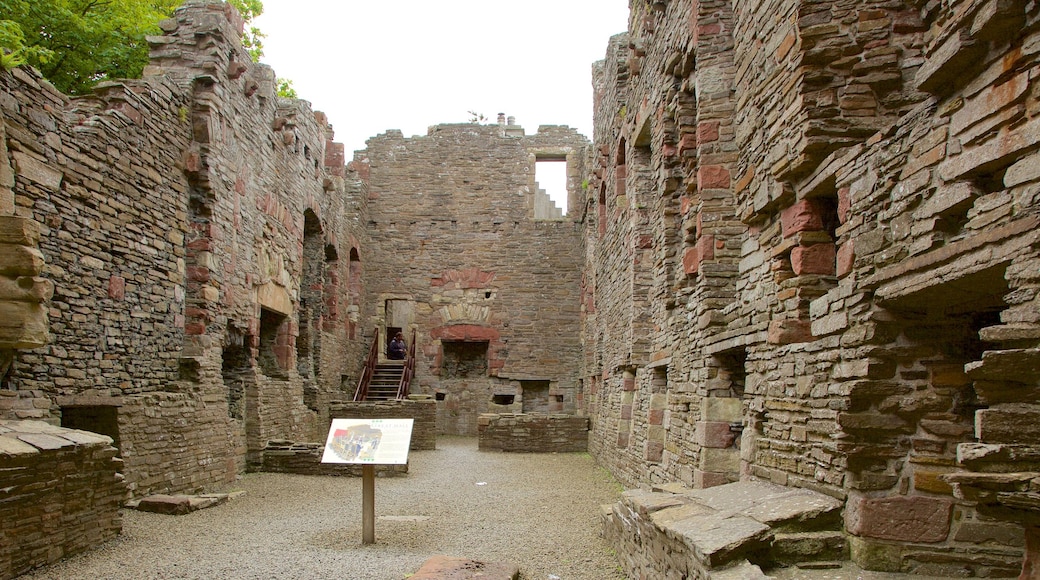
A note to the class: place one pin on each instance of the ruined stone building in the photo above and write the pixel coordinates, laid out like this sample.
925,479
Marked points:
802,249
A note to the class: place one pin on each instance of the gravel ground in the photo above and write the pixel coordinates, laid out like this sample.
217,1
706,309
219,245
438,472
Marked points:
538,511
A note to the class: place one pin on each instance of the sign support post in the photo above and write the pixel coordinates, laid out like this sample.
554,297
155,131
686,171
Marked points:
368,442
368,504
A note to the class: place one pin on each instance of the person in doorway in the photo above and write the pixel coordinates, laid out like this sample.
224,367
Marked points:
397,349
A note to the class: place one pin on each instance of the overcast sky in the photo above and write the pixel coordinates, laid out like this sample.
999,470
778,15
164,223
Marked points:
408,64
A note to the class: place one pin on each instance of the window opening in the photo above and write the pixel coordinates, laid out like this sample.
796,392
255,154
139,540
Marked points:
551,177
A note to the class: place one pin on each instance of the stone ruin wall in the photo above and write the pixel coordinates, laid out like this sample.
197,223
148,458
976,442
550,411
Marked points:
491,291
825,216
195,226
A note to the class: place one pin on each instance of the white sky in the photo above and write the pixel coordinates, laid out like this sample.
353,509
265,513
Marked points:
374,65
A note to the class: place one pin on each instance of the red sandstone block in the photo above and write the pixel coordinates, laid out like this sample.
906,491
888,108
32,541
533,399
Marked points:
789,331
628,384
688,142
804,216
713,177
656,417
714,434
198,274
116,287
654,451
691,260
626,412
708,30
708,131
814,259
903,518
844,203
194,328
685,204
703,479
845,259
706,248
449,568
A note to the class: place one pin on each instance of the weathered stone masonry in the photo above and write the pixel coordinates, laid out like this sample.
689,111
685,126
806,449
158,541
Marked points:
813,245
491,291
802,249
196,227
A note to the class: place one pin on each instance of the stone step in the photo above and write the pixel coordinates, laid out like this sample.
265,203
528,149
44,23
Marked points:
801,547
691,532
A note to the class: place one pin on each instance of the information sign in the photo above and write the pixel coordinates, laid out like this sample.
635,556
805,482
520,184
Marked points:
368,441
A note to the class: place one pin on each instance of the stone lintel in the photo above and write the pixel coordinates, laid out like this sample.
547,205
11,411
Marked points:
274,297
955,260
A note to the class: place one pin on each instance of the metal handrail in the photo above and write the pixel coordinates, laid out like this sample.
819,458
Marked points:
370,368
409,370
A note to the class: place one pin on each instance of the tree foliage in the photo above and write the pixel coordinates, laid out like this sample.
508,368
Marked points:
78,43
285,89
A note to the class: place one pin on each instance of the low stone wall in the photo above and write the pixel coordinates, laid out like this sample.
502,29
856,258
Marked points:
532,433
423,411
305,459
60,493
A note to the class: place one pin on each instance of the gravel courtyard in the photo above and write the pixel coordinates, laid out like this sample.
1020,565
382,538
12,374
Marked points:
538,511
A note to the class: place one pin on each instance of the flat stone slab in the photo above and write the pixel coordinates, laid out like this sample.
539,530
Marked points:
178,505
448,568
714,537
768,503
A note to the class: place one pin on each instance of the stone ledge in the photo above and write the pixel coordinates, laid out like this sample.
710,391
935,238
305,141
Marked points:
24,438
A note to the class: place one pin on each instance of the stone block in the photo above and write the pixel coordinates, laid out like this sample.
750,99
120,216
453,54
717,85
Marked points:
19,231
845,259
814,259
905,518
37,171
23,325
803,216
26,289
720,460
713,177
1007,424
789,331
705,479
729,409
19,260
999,533
715,434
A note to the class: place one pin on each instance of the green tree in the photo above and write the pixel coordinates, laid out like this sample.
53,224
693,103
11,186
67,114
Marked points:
78,43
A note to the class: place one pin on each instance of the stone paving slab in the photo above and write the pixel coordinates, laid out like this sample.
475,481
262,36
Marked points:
448,568
180,504
768,503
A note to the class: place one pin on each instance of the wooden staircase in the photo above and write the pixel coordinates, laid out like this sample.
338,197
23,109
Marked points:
385,381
